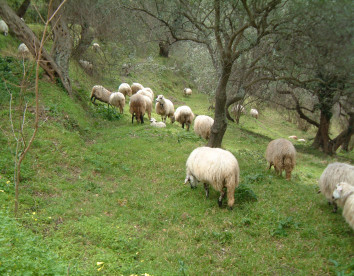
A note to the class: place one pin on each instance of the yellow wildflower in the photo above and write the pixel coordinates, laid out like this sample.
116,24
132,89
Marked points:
8,181
33,213
100,263
100,268
2,191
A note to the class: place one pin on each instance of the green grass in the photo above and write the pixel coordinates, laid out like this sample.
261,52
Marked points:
96,189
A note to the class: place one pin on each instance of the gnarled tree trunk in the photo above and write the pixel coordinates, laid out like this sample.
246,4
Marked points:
25,34
220,122
86,38
23,8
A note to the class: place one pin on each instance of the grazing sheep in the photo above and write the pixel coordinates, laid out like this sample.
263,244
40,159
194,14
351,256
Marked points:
293,137
344,192
117,99
187,91
333,174
96,47
202,126
137,107
86,65
3,27
136,87
302,140
23,50
254,113
100,93
184,115
125,89
165,108
147,93
215,167
148,102
281,153
156,124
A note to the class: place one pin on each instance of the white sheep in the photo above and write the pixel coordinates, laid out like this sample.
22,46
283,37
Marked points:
23,50
125,89
344,193
302,140
150,90
96,47
281,153
187,91
254,113
216,167
202,126
3,27
293,137
117,99
184,116
148,102
154,123
333,174
86,65
137,107
100,93
238,108
165,108
136,87
146,92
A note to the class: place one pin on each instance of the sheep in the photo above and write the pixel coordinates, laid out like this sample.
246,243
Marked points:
344,192
165,108
117,99
184,115
3,27
150,90
333,174
23,50
96,47
302,140
238,108
148,102
100,93
86,65
293,137
125,89
254,113
202,126
156,124
216,167
136,87
281,153
147,93
187,91
137,107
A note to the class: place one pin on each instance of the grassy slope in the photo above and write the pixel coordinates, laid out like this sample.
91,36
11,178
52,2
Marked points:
96,190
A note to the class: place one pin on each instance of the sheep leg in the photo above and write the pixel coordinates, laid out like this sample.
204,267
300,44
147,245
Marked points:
288,175
132,117
221,197
142,118
335,207
94,99
182,125
270,165
206,188
230,197
187,127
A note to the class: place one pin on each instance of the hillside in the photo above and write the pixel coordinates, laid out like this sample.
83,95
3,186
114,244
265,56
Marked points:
100,195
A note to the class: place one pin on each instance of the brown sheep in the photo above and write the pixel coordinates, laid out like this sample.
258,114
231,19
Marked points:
137,107
281,153
100,93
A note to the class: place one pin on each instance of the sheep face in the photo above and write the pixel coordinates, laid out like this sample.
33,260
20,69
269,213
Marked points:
337,193
192,181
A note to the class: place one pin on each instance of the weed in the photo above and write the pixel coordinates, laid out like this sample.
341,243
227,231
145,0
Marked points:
283,225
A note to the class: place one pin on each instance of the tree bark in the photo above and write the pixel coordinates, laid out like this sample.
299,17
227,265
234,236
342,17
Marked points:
23,8
220,122
164,49
86,38
344,137
62,41
25,34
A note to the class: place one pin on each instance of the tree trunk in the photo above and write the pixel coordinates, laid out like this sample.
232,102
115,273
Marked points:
322,139
62,41
25,34
86,38
344,137
220,122
164,49
23,8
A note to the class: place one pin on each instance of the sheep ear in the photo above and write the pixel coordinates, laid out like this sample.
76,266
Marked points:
339,188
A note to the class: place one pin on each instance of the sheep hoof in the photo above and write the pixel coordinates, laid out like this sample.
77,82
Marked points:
220,203
230,208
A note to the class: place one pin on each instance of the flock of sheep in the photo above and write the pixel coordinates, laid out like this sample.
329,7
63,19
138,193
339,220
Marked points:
217,167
